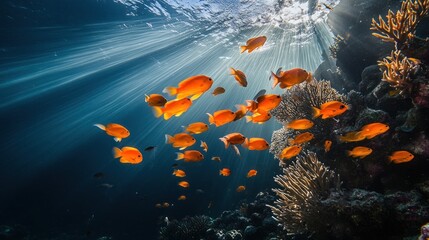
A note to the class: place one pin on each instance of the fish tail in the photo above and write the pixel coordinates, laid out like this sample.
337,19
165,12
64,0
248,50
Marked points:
316,112
245,143
117,153
100,126
275,79
224,142
168,139
309,77
180,156
211,118
146,98
170,90
220,172
117,139
248,118
243,49
157,111
202,145
167,116
174,172
349,153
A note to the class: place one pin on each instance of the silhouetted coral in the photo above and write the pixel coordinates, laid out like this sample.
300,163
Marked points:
399,28
304,184
186,229
279,140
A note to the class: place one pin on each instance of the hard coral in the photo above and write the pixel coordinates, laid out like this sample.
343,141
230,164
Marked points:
303,185
400,27
186,229
397,70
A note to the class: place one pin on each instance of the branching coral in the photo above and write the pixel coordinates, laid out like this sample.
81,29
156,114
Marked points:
399,28
298,101
303,185
334,48
397,70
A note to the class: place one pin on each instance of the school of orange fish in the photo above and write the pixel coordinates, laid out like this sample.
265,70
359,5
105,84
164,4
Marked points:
194,87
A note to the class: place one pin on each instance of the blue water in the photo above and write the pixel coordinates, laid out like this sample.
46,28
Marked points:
58,81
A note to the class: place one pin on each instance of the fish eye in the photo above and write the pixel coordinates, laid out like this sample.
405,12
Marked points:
138,156
278,96
210,79
193,139
342,106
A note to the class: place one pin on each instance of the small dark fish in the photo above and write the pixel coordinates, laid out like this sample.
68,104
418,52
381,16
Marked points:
98,175
260,93
174,165
277,73
328,6
106,185
150,148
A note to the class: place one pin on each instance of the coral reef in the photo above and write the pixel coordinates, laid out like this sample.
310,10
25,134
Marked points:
186,229
304,184
399,28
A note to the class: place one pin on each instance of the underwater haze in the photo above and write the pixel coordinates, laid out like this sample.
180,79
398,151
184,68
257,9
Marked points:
355,166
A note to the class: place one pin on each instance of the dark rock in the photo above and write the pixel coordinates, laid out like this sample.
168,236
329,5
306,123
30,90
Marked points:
249,232
16,232
327,70
371,76
369,115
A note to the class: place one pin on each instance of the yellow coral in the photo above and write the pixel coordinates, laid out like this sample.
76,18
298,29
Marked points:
397,70
400,27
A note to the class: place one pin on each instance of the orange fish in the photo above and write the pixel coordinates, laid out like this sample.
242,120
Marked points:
232,138
241,112
182,198
401,157
373,129
180,140
359,152
173,108
328,145
204,146
252,173
330,109
196,128
289,78
128,155
268,102
190,156
179,173
155,100
259,117
165,205
225,172
183,184
115,130
218,91
301,138
352,137
221,117
253,44
217,159
256,144
300,124
290,152
239,76
193,86
240,188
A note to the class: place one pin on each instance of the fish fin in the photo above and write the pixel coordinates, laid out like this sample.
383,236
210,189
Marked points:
181,96
117,139
196,96
182,148
211,118
146,98
237,151
232,71
157,111
316,112
123,160
168,139
202,145
180,156
170,90
220,172
248,118
117,152
243,49
179,114
100,126
225,142
167,116
275,80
